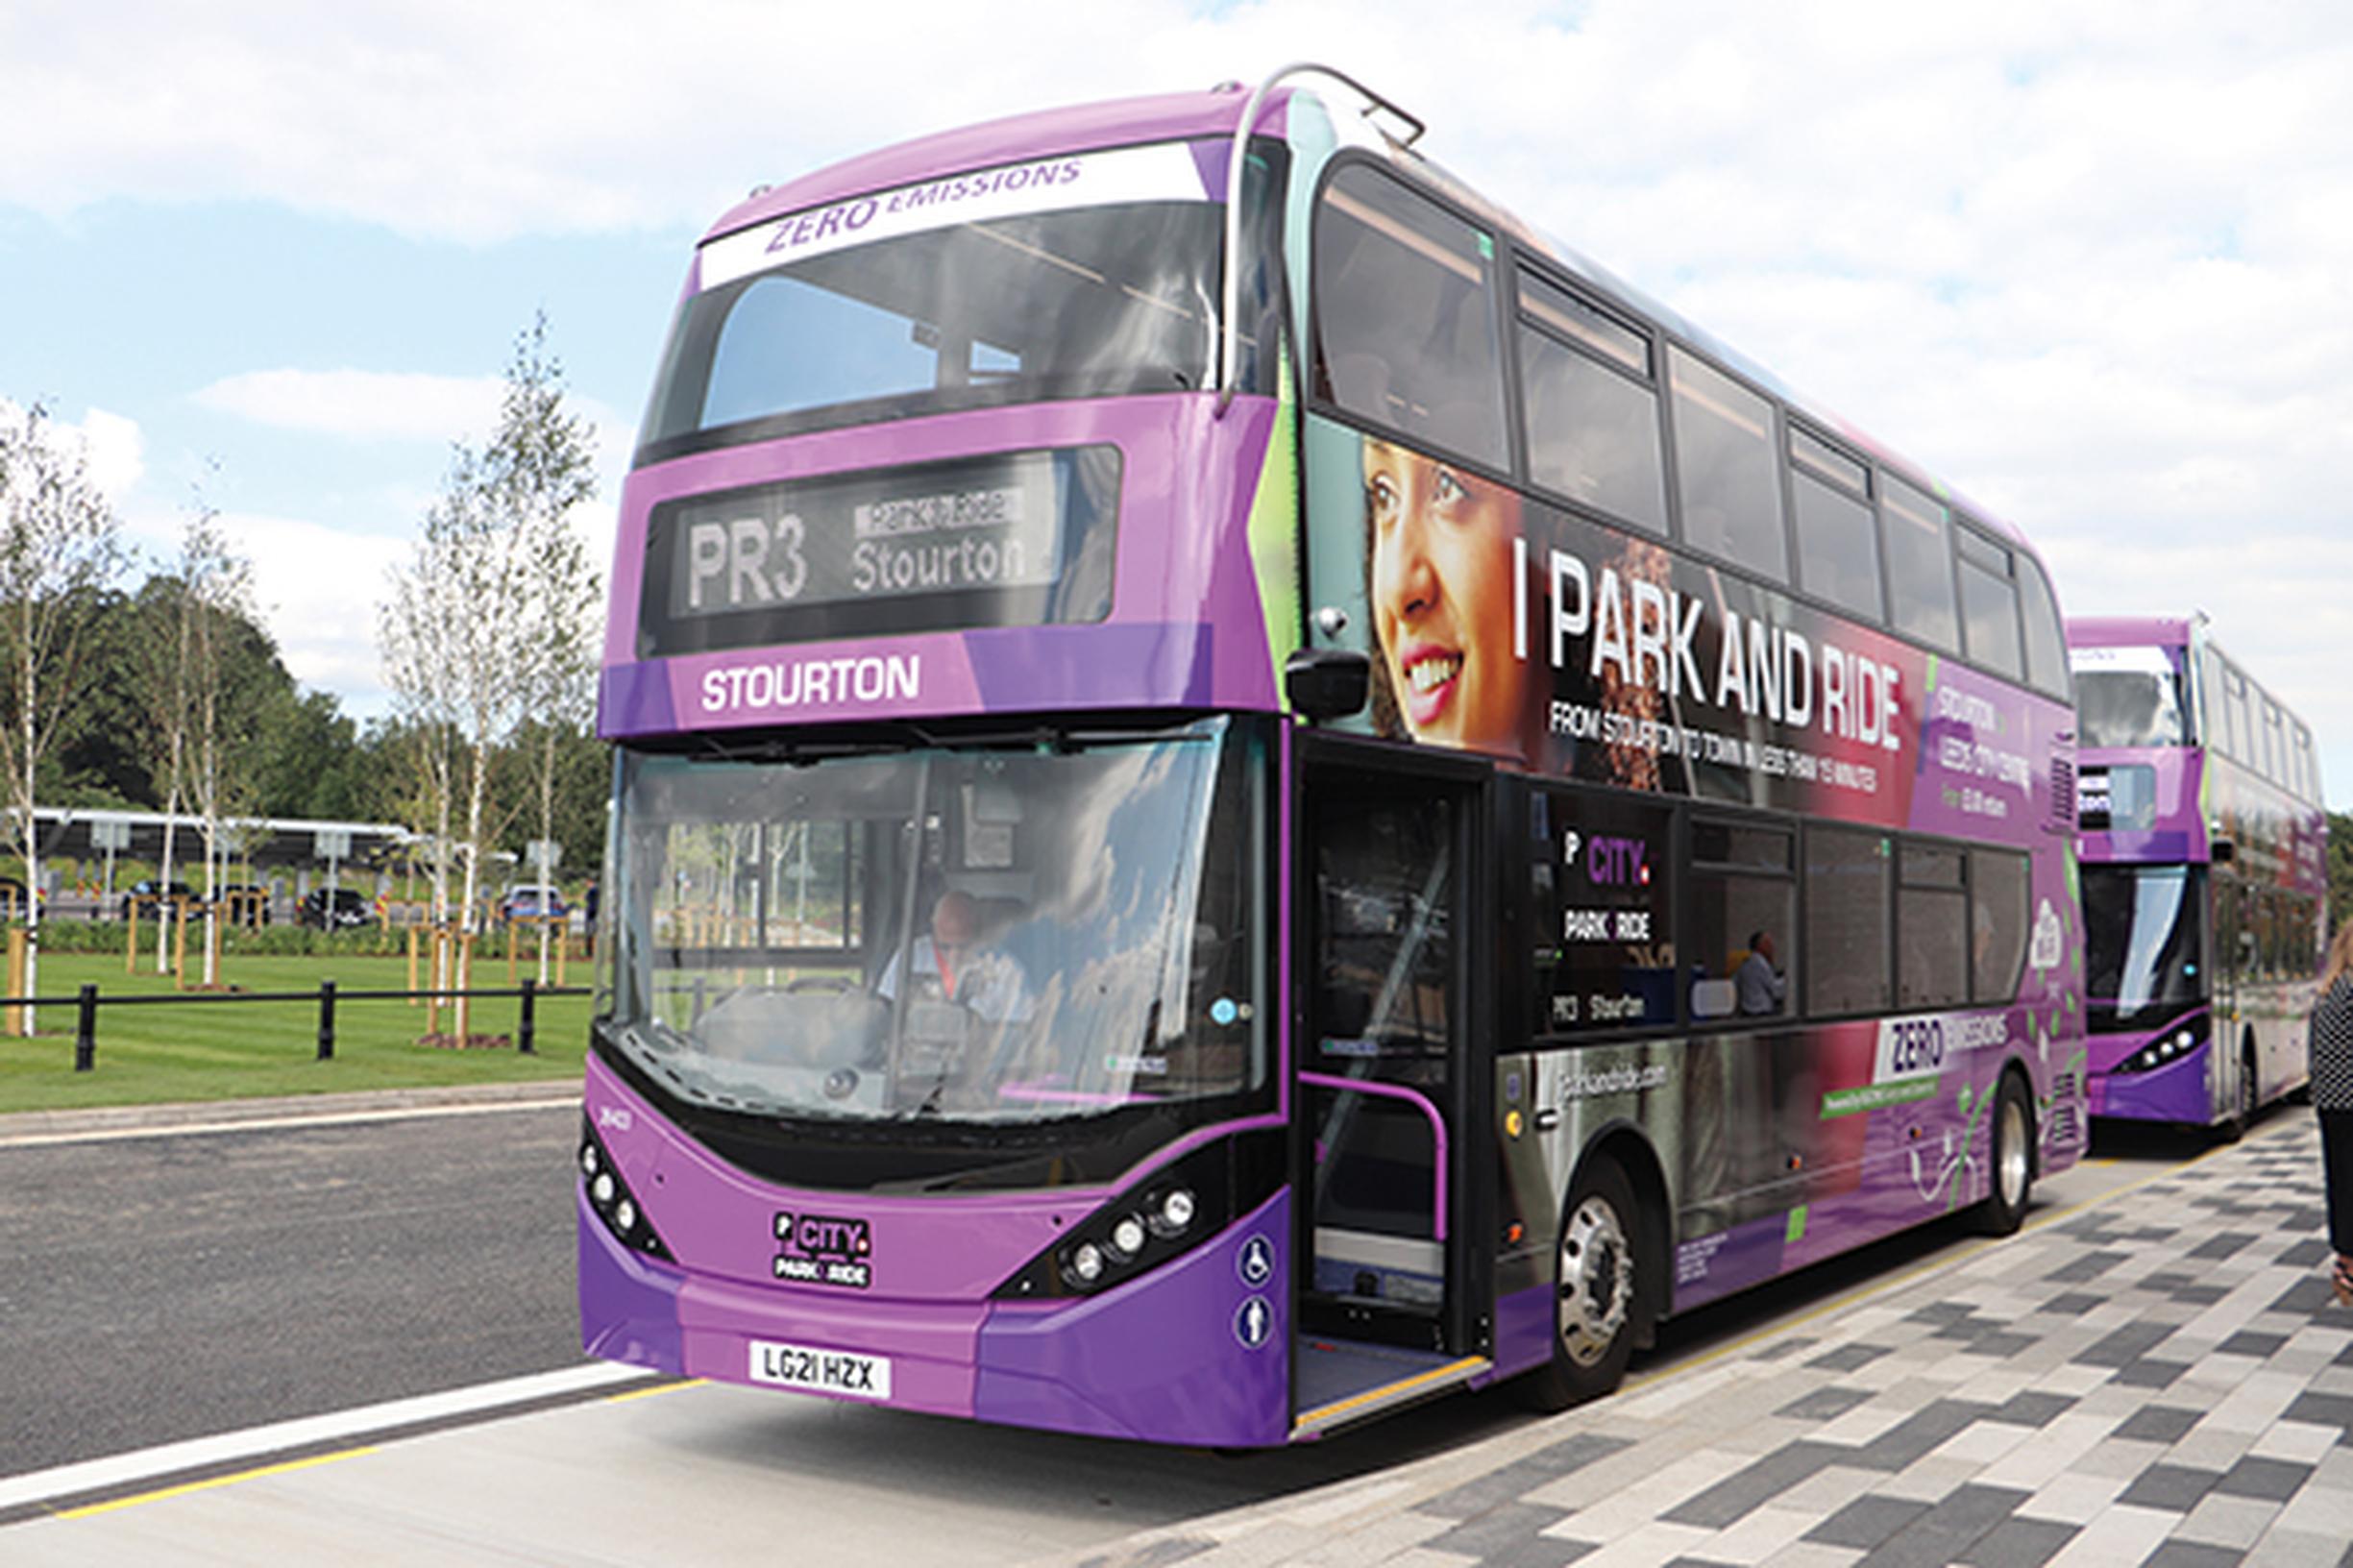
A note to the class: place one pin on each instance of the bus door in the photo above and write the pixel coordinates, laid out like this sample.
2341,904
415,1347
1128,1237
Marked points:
1392,1295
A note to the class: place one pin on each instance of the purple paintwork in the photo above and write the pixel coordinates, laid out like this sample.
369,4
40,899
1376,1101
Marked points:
2178,835
628,1305
1185,630
1075,1365
1524,1325
2181,1090
935,1262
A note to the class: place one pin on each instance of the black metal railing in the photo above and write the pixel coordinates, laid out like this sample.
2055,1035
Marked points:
88,1003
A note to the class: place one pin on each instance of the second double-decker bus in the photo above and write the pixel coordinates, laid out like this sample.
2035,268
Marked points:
1246,792
2205,875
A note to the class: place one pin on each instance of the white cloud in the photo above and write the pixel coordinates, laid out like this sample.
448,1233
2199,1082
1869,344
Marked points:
360,404
112,448
323,618
2091,261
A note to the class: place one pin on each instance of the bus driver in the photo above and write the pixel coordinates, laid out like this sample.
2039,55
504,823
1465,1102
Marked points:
952,962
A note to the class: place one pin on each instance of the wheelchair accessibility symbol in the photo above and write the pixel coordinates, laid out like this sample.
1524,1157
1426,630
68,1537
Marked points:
1256,1262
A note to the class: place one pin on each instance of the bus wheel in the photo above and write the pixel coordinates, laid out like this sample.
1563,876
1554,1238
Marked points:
1599,1306
2005,1207
2242,1104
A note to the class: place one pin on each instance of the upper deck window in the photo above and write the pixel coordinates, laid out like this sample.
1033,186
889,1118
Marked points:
2045,641
1838,542
1088,275
2212,730
1405,316
2242,724
1724,470
1919,565
2130,696
1988,605
1592,407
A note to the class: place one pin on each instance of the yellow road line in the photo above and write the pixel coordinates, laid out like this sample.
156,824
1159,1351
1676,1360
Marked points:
187,1487
658,1388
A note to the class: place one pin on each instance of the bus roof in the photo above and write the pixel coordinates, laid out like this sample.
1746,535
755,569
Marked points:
1171,116
2129,630
1080,127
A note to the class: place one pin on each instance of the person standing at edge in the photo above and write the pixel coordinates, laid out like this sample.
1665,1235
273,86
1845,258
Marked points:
2331,1042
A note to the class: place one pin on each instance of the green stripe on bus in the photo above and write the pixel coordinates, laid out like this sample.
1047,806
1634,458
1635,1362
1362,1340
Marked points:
1848,1102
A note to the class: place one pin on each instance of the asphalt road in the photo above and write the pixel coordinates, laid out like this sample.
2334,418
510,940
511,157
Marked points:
165,1287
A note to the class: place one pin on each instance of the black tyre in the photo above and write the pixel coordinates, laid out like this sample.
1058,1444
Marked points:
2243,1104
2010,1157
1601,1308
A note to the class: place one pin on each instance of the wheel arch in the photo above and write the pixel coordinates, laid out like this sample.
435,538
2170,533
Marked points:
2015,1067
1624,1143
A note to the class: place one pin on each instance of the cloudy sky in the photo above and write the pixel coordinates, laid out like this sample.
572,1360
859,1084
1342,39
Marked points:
2091,261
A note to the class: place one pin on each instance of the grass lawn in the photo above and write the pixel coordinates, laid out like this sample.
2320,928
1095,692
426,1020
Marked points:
214,1050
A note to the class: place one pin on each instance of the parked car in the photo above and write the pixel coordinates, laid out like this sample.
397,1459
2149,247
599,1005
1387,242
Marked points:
245,900
348,910
532,901
147,895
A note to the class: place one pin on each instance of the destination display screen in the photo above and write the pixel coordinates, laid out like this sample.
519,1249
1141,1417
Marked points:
1010,539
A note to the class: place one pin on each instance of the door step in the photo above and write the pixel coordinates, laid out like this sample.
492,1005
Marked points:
1342,1382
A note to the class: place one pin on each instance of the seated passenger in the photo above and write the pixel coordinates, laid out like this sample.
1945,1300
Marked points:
1763,988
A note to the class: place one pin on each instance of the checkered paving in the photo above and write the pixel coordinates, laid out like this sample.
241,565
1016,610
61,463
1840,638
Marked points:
2161,1379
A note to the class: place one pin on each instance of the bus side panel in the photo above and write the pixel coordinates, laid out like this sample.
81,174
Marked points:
1775,1150
628,1307
1194,1352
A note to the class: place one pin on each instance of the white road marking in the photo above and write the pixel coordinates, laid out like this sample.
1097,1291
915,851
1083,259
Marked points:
126,1470
325,1118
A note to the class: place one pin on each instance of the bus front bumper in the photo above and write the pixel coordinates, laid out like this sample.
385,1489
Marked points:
1193,1351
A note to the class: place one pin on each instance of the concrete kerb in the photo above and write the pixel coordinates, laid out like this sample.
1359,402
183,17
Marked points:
21,1126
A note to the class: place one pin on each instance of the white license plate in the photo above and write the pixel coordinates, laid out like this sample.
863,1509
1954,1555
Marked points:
821,1371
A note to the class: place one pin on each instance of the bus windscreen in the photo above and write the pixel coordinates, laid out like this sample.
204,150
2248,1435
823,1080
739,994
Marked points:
942,937
1087,302
2129,698
2144,933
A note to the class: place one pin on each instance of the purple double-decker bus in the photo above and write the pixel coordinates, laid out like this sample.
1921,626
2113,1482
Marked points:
2205,875
1247,793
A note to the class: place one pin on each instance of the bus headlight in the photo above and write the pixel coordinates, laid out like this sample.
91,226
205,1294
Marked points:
1171,1213
1084,1266
1127,1236
2158,1053
610,1197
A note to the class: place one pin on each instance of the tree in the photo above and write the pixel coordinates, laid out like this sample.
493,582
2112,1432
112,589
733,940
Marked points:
217,591
478,624
59,544
311,762
540,467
